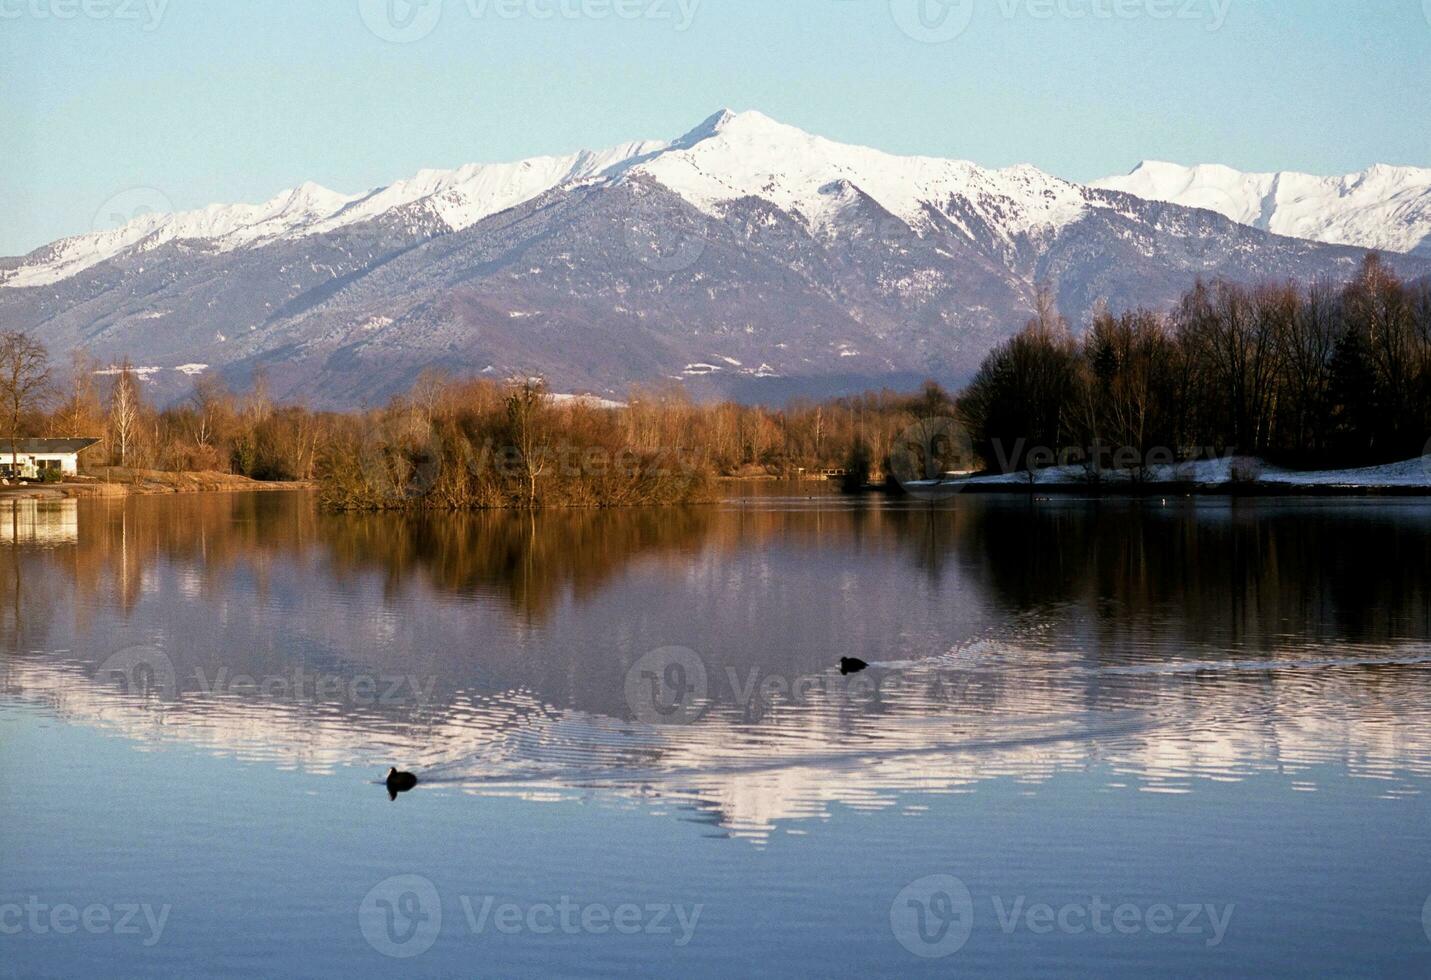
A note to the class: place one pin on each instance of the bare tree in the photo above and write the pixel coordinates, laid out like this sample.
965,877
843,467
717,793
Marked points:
428,392
1306,343
213,410
80,414
525,405
24,381
124,411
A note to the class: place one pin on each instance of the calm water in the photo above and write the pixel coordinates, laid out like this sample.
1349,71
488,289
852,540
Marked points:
1095,739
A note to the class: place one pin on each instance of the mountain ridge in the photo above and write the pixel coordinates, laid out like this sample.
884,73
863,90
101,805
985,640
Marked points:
745,258
1384,207
461,196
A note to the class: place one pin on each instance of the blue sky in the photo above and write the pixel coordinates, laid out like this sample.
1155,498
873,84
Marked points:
195,102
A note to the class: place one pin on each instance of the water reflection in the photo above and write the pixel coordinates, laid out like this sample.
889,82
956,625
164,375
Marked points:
40,522
530,560
1157,645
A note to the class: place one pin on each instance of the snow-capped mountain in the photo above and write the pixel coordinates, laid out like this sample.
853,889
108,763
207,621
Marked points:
727,157
458,198
750,155
745,257
1385,208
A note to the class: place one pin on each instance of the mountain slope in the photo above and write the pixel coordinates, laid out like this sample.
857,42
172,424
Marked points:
745,258
454,199
1385,208
750,155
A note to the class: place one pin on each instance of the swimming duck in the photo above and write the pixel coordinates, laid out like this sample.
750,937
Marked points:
399,782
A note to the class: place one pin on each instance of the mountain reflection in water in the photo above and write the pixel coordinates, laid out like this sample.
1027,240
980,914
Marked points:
1008,638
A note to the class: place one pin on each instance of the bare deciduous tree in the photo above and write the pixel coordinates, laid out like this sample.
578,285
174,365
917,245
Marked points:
525,404
124,403
81,413
24,381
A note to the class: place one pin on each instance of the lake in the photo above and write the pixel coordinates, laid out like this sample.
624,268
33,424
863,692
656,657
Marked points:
1103,738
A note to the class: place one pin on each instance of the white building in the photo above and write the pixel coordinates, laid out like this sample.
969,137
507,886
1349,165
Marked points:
30,459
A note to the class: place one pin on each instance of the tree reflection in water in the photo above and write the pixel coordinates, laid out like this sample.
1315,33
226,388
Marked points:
1269,630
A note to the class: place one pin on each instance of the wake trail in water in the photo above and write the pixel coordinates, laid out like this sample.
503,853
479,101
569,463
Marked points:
1264,666
477,771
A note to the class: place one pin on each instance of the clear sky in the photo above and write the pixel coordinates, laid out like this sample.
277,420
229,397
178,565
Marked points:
199,101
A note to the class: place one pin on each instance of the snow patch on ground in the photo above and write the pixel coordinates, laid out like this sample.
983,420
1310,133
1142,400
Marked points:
142,373
1407,473
590,401
1220,472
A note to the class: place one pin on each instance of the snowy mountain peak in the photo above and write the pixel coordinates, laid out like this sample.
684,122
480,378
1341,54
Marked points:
308,191
1383,207
732,156
794,273
708,127
748,154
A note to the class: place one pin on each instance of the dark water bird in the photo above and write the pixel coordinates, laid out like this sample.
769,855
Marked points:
399,782
852,665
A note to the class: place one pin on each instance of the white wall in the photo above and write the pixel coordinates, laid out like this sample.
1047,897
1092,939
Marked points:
69,462
29,462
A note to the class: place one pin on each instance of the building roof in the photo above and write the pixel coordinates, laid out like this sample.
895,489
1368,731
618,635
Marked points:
44,446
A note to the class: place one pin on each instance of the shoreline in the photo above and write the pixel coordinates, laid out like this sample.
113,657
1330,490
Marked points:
150,483
1136,491
1229,476
158,483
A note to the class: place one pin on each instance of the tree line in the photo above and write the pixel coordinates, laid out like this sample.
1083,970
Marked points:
214,429
451,442
462,443
1315,374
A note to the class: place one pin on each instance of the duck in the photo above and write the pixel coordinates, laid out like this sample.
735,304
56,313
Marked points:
852,665
399,782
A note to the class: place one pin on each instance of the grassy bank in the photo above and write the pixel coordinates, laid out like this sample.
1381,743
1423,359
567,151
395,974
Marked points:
117,481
